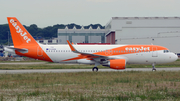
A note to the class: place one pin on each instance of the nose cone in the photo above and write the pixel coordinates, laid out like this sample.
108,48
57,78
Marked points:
174,57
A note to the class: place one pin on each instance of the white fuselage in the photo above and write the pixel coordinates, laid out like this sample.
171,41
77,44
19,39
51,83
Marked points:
58,53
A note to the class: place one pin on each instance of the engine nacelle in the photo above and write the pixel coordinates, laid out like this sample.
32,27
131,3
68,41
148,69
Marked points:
116,64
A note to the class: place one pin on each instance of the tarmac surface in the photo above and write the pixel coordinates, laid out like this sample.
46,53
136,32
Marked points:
81,70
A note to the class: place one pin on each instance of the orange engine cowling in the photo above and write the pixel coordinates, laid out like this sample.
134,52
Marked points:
117,64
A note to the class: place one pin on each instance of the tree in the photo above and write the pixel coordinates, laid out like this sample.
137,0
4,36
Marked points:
47,32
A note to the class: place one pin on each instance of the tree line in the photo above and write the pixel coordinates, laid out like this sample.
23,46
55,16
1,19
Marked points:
45,33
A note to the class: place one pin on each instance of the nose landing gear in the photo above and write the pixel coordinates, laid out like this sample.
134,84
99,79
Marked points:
153,67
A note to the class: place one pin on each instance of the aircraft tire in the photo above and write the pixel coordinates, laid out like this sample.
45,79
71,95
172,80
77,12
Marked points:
95,69
153,69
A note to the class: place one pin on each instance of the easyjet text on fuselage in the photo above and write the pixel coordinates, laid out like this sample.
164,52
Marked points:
137,48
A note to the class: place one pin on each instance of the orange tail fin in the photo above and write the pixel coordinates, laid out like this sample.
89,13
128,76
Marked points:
24,43
19,34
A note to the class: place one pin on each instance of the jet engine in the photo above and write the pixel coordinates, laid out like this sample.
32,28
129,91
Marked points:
116,64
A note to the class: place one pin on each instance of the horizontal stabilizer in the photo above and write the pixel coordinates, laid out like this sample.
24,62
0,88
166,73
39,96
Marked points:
17,49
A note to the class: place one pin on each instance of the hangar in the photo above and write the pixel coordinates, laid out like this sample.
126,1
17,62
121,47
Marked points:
81,35
163,31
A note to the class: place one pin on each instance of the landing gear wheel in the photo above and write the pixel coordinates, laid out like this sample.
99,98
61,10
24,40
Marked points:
95,69
153,69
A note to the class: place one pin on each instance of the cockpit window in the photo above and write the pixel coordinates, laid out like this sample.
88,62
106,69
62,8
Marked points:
166,51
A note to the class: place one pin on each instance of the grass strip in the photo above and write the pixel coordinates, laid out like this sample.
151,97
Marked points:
127,85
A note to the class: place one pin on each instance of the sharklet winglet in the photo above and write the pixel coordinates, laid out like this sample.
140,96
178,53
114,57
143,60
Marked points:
72,48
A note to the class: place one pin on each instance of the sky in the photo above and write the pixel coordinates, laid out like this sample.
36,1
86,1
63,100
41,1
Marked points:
45,13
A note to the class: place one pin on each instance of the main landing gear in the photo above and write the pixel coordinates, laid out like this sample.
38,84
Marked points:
95,69
153,67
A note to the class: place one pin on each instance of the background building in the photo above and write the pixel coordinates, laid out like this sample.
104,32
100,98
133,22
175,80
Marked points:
49,41
81,35
164,31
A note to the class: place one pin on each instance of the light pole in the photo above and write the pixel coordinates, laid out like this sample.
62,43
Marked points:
8,38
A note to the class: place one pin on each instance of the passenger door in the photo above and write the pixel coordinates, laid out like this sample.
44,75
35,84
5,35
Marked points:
154,52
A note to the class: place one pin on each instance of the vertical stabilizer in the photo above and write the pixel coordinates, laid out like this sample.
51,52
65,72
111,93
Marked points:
19,34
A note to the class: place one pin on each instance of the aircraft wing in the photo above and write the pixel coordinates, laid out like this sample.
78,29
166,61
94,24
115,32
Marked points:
86,55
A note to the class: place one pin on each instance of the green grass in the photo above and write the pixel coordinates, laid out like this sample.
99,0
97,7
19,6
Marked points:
48,65
90,86
45,66
172,64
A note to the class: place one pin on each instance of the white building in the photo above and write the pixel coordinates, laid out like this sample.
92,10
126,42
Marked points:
50,41
81,35
163,31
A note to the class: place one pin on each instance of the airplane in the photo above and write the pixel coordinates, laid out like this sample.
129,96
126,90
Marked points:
113,56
